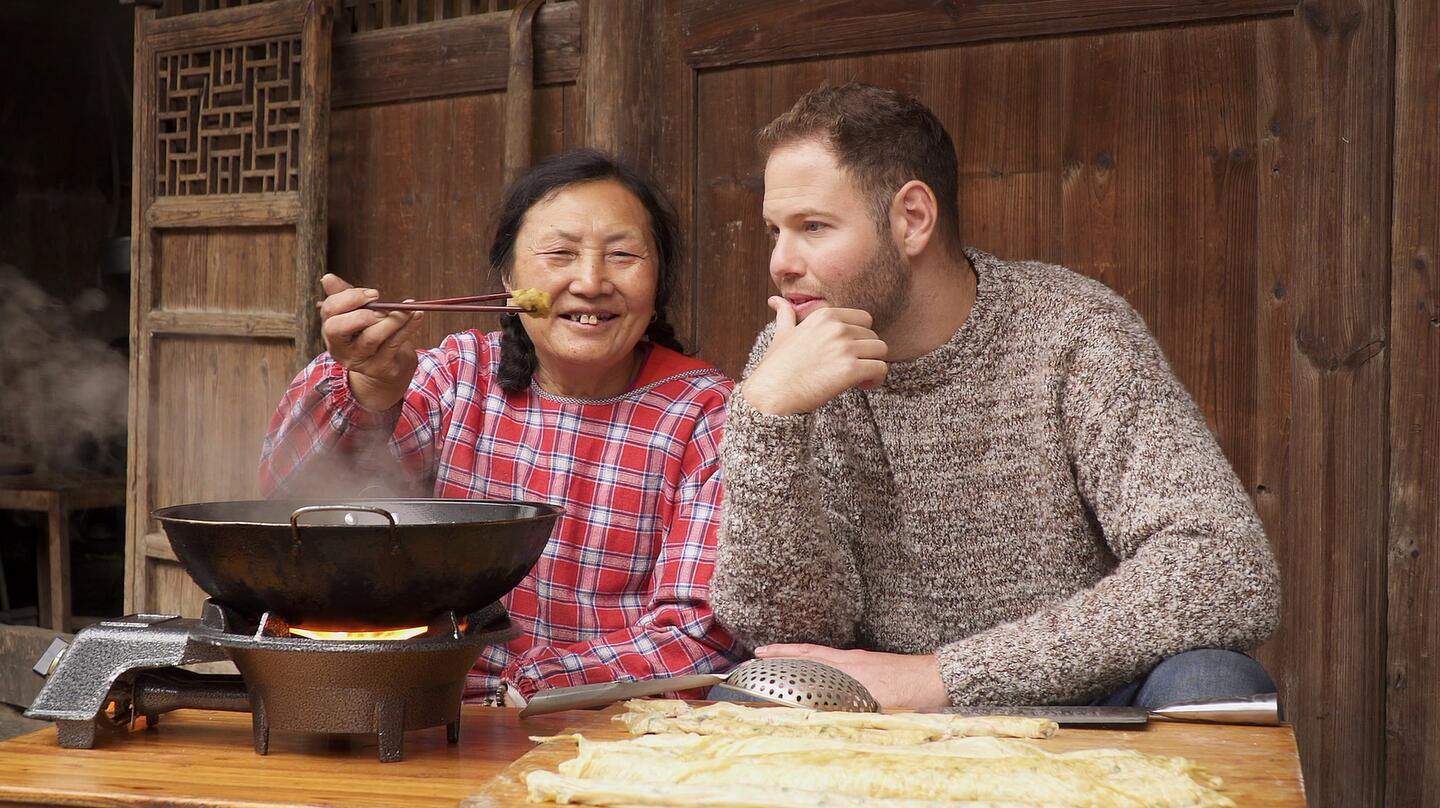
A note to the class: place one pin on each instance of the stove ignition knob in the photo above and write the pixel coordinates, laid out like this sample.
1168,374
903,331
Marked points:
51,658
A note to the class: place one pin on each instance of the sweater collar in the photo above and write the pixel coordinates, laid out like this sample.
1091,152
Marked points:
939,366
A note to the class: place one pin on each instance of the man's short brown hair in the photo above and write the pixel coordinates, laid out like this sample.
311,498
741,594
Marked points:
884,139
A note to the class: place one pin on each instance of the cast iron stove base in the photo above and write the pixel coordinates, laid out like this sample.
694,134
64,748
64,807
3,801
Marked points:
118,670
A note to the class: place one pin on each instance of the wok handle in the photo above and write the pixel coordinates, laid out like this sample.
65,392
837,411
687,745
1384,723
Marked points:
308,509
581,697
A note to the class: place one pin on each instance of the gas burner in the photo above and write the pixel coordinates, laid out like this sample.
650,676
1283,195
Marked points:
119,670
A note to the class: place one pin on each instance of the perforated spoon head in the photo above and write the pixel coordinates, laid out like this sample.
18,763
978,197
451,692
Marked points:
801,683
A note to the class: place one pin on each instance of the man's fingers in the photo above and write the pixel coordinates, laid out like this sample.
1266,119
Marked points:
784,314
871,349
790,650
872,373
858,317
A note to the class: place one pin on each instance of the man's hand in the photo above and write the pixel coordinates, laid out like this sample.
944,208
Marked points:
377,348
895,680
810,363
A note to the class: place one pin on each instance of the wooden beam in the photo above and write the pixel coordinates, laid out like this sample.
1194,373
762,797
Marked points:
621,82
1412,717
157,545
197,31
142,258
732,32
314,173
229,210
453,57
221,324
1333,564
520,90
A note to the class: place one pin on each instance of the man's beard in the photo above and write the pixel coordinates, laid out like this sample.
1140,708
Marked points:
882,288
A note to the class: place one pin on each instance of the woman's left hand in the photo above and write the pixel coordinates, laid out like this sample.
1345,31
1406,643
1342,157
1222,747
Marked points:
909,681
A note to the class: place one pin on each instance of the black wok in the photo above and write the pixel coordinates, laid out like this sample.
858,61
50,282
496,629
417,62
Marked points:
359,564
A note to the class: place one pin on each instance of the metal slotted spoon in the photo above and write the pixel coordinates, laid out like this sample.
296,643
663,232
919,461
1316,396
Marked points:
789,682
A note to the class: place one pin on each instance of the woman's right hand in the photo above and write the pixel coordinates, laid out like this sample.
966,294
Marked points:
378,348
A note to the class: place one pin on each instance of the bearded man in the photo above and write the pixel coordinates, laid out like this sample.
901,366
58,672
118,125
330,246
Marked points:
965,480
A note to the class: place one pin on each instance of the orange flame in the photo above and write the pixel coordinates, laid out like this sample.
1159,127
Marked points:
393,634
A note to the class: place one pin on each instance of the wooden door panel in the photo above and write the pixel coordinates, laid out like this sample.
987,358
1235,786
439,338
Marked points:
225,270
231,114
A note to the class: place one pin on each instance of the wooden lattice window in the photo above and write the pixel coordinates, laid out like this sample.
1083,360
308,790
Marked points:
228,119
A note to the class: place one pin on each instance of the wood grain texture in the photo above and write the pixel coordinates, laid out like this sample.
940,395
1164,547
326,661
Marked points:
1332,634
227,270
454,57
520,91
674,167
414,191
1412,719
222,324
1258,764
205,759
142,248
231,210
259,21
215,398
310,226
621,75
732,32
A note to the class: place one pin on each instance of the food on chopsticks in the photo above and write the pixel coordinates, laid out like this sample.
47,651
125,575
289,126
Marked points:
520,301
536,301
716,770
735,720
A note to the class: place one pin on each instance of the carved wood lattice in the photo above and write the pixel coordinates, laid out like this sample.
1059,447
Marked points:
228,119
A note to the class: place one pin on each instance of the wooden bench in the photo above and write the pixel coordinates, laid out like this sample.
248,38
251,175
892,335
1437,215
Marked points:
56,497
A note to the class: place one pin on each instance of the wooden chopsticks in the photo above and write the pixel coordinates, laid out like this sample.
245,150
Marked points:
466,303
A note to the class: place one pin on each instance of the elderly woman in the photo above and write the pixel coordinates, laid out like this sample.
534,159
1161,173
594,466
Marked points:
594,408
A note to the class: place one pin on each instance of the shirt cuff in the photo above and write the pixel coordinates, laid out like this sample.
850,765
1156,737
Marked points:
510,696
352,414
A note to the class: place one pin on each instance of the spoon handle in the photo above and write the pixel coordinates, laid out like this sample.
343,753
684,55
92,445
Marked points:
581,697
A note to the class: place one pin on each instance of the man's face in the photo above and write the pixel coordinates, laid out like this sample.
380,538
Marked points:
827,251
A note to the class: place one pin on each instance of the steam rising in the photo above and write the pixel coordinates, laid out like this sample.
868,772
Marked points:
64,401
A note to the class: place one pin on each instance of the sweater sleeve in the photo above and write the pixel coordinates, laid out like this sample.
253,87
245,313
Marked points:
1194,566
783,573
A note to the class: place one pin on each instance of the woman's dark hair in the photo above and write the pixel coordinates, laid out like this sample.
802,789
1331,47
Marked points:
517,352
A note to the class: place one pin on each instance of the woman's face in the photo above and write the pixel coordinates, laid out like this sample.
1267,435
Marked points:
589,246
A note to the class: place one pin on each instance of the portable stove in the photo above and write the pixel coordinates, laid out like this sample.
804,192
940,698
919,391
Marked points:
118,671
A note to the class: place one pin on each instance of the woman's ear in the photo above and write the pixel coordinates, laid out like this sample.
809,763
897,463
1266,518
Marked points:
913,214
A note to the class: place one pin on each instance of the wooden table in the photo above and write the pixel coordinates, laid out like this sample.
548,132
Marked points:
56,497
205,760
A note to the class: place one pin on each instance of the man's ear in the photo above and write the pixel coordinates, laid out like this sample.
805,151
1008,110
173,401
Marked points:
913,215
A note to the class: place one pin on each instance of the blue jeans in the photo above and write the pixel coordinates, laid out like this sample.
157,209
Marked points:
1205,673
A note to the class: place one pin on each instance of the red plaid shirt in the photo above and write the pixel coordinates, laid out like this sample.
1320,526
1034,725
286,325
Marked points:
622,590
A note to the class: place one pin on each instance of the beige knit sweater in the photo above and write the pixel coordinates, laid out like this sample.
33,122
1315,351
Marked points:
1038,501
